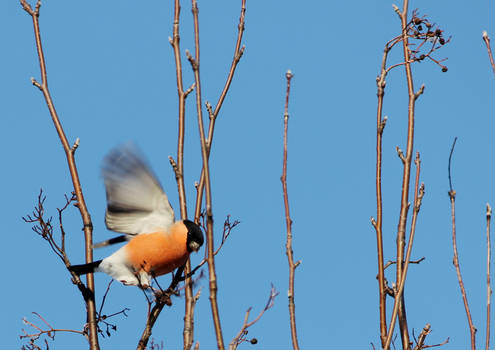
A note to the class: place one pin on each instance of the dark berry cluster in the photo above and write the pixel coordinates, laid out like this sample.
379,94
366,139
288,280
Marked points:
427,38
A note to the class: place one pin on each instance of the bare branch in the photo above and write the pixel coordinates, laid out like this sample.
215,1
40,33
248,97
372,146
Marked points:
420,342
455,261
486,39
380,126
488,283
400,154
208,141
288,220
420,92
241,336
422,337
195,64
162,298
436,345
238,51
178,167
75,145
450,161
406,176
420,40
49,332
418,197
227,228
69,152
44,228
389,263
188,91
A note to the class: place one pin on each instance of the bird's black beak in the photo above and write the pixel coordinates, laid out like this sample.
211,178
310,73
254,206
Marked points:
194,246
195,237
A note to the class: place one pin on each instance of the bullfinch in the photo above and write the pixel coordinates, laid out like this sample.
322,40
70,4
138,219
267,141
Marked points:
138,207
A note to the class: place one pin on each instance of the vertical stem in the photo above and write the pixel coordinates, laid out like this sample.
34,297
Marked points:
472,329
488,283
486,38
418,197
69,153
188,332
455,260
182,101
288,220
401,231
195,63
161,299
238,52
380,125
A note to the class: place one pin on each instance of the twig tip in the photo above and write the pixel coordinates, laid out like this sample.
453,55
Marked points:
289,75
396,9
75,145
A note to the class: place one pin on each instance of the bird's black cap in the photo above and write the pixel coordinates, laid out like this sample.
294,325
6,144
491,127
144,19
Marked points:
194,235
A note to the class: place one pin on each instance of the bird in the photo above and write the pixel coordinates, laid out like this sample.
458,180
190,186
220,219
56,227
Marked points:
138,207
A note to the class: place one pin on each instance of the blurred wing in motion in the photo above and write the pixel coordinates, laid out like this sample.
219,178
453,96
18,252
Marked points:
136,202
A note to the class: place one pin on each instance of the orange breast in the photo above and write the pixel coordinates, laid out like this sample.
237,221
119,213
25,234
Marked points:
159,252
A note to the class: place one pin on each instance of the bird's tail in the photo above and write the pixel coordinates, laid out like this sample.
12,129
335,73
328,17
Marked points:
118,239
85,268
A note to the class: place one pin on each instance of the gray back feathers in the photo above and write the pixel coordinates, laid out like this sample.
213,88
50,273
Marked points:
136,202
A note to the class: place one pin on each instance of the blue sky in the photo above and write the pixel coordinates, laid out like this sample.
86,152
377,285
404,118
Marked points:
112,77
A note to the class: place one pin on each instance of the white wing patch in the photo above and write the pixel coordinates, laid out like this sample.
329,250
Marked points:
136,202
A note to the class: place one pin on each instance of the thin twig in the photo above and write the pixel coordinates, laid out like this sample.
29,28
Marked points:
419,192
422,337
179,167
68,201
238,52
44,228
161,299
104,298
188,332
450,161
411,30
452,194
103,318
195,64
227,228
288,221
380,126
189,322
50,332
401,230
241,336
69,152
486,39
488,283
407,32
188,339
437,345
418,261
